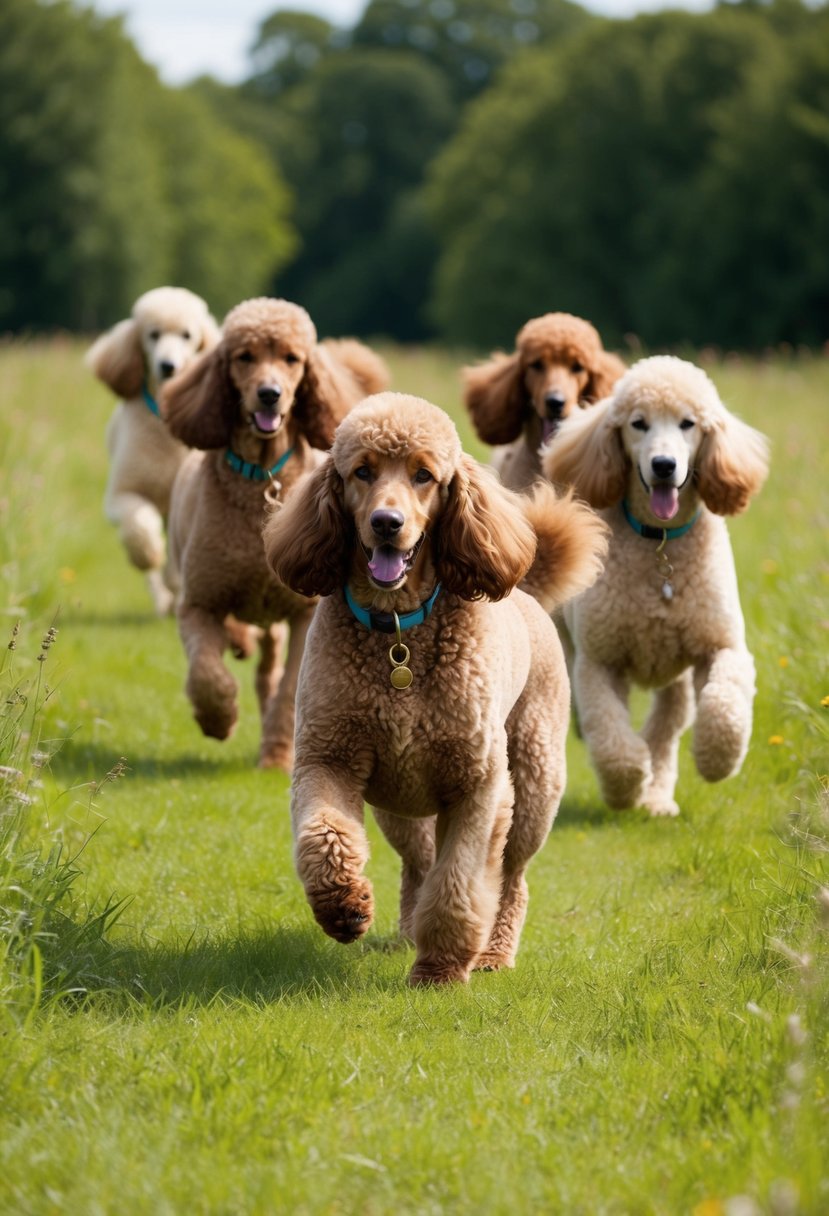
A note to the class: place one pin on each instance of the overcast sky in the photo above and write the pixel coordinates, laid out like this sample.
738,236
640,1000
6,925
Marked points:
185,38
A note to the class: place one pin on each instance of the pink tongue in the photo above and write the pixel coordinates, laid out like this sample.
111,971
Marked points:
664,501
266,422
548,428
387,565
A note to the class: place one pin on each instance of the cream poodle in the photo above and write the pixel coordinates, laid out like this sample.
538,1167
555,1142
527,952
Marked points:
263,405
558,365
169,326
663,460
430,686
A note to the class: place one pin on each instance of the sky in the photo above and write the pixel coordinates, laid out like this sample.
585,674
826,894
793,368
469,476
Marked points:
188,38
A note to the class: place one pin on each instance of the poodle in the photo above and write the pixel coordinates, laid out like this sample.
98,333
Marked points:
430,686
664,460
169,326
559,364
261,404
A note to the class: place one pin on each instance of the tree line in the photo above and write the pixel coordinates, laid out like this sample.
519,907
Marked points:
445,169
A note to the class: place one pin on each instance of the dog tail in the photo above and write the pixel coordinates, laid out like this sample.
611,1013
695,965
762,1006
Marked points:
367,368
571,546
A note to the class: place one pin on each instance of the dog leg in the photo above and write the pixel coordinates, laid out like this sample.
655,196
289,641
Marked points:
269,669
672,712
141,530
277,750
414,840
459,898
725,695
621,757
210,686
331,851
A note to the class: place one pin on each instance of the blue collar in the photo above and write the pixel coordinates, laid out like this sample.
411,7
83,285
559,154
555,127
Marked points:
150,401
662,534
385,621
255,472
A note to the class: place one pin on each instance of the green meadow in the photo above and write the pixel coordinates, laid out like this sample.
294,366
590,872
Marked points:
178,1036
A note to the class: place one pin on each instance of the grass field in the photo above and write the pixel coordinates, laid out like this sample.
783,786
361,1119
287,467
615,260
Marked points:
661,1046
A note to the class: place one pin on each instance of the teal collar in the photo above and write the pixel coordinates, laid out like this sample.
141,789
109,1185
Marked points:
150,401
255,472
651,533
386,622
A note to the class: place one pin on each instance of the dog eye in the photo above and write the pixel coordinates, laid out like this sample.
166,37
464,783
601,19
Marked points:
422,476
639,424
537,365
244,356
686,424
363,473
577,367
292,358
155,334
186,335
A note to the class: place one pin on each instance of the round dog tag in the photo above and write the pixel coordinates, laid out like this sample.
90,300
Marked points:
401,676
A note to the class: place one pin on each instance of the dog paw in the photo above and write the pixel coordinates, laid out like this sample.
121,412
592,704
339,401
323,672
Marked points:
492,960
217,723
345,912
278,757
660,806
425,974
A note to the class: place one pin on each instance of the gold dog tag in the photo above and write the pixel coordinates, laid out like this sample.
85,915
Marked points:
401,675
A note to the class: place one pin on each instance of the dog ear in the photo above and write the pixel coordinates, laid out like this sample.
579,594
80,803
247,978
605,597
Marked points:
496,398
210,333
607,370
309,537
117,358
325,395
484,544
586,452
731,465
199,405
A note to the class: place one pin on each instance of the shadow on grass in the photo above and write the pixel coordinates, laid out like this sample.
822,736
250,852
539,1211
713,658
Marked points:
261,967
590,812
85,761
117,619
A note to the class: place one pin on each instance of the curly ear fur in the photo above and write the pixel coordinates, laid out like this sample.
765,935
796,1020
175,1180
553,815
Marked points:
603,376
210,333
200,404
496,398
324,397
731,466
117,358
485,543
586,453
309,538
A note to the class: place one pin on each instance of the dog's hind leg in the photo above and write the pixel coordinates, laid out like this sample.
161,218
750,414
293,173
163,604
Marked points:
620,756
414,840
725,695
141,529
210,686
672,712
277,750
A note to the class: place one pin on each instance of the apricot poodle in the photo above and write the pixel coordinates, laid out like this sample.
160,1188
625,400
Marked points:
453,729
664,460
169,326
558,364
263,403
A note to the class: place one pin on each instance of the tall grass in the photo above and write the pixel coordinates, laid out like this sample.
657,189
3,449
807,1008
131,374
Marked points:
662,1045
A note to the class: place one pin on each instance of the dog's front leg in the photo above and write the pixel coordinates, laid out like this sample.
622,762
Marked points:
621,758
458,901
725,695
210,686
277,750
331,849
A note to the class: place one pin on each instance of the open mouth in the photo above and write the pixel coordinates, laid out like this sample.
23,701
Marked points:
549,426
387,566
663,498
265,423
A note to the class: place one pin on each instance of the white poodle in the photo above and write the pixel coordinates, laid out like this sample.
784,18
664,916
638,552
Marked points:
663,459
168,328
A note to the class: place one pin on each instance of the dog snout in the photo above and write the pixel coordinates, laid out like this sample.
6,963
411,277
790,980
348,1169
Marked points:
386,523
554,403
166,368
269,394
663,467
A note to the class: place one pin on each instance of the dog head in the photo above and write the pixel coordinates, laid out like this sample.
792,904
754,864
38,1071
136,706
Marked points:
169,326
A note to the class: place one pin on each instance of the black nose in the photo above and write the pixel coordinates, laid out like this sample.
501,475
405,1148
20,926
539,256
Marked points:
663,466
166,368
269,394
554,403
385,523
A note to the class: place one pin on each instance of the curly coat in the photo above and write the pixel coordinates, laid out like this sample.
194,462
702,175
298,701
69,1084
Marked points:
268,389
465,767
666,445
558,365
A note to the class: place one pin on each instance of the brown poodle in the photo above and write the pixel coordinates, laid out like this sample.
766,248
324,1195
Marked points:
169,327
262,404
559,364
453,729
